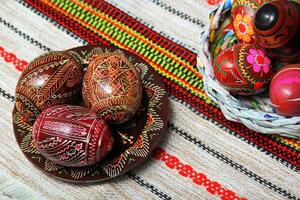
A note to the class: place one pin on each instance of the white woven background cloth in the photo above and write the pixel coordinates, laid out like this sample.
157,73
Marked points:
240,167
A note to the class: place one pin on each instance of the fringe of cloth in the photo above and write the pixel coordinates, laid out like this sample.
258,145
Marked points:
11,188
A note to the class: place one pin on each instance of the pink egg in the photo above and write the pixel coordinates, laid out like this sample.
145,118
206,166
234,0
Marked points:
285,91
71,136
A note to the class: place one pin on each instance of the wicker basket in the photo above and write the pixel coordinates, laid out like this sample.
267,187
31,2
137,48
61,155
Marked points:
255,112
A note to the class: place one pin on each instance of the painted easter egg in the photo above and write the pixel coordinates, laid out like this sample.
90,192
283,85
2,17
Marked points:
285,91
51,79
243,69
71,136
224,39
277,26
112,87
242,13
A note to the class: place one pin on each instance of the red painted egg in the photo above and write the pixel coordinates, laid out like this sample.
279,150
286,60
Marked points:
242,13
71,136
51,79
277,26
243,69
112,87
285,91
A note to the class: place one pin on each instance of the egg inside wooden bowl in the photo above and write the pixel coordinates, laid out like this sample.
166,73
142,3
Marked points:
72,136
51,79
112,87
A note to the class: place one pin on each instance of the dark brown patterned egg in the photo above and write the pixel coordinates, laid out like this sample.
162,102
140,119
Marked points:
277,26
51,79
112,87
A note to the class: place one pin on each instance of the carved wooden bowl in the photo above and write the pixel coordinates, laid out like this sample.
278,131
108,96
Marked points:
134,140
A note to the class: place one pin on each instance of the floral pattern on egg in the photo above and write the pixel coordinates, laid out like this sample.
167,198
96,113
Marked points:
258,59
242,13
243,27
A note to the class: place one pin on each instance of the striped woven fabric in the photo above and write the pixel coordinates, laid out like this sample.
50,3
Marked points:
202,156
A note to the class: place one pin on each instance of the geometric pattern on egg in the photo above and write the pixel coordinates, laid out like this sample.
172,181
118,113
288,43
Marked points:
112,87
51,79
71,136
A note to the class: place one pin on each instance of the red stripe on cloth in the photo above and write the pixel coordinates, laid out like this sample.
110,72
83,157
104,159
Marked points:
200,179
12,58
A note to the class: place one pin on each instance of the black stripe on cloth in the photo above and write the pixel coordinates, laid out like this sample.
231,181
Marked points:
285,163
231,163
60,27
24,35
7,95
134,177
57,25
149,186
178,13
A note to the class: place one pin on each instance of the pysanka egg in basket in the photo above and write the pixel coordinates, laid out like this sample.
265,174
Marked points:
277,27
243,69
112,87
72,136
51,79
285,90
225,37
242,13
